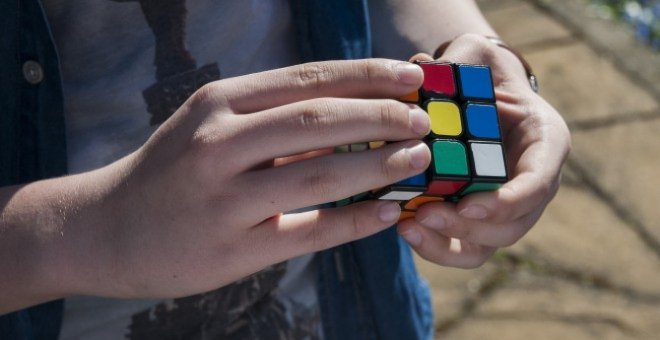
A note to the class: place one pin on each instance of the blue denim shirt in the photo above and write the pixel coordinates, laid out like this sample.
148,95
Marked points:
368,289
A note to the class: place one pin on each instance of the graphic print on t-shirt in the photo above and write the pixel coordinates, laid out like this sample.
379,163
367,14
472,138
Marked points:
247,309
128,64
176,70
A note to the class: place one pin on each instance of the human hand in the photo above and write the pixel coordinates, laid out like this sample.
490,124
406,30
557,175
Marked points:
195,208
537,143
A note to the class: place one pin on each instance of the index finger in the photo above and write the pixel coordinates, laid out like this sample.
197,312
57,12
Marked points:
367,78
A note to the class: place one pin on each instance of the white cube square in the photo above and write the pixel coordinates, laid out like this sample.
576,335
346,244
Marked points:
488,159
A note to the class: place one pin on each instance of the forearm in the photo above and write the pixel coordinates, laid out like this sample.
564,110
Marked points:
405,27
46,239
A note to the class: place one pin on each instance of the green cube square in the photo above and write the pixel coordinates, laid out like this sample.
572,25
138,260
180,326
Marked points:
450,158
478,187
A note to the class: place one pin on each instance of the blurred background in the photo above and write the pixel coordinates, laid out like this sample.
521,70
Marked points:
591,268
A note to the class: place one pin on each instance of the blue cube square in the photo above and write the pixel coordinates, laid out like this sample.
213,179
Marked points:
476,82
415,181
482,121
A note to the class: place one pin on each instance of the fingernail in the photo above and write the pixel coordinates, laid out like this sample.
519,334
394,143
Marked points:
419,156
475,212
419,121
389,212
434,221
409,73
412,236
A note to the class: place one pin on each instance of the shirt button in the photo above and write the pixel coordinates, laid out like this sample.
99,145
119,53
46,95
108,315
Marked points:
33,72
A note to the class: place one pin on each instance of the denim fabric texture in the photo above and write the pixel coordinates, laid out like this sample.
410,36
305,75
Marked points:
32,139
31,115
368,289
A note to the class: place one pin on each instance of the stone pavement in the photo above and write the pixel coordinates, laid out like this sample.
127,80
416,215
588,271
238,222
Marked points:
590,269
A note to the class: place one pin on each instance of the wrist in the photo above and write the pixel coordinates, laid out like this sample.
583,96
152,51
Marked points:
35,225
59,229
86,252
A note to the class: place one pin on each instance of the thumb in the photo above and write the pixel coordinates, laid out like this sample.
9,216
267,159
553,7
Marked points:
420,57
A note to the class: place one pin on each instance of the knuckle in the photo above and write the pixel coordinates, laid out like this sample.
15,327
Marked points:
315,237
372,71
385,168
209,138
375,72
210,95
203,139
537,127
320,180
200,158
317,117
206,92
489,52
479,45
315,75
357,227
536,121
391,115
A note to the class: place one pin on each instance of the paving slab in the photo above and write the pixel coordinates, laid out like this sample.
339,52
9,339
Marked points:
484,329
584,235
579,233
582,85
613,38
623,160
521,25
536,307
570,178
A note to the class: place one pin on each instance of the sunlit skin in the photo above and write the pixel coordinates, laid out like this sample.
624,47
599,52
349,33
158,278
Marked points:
199,205
537,143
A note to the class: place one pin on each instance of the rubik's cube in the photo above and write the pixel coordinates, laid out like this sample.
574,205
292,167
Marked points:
465,139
